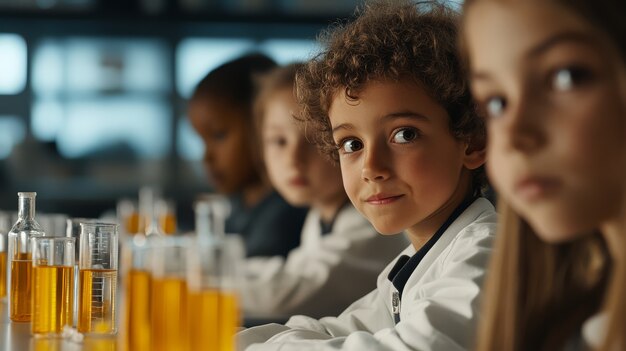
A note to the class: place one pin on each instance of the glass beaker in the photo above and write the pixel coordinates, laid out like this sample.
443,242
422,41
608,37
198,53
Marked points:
214,279
135,264
53,285
20,255
169,294
97,278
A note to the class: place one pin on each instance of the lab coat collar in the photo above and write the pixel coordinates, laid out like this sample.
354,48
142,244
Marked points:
405,266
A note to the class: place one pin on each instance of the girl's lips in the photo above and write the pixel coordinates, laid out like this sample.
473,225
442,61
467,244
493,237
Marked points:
298,181
382,199
534,187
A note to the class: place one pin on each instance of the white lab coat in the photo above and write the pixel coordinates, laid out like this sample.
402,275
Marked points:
439,303
325,274
592,334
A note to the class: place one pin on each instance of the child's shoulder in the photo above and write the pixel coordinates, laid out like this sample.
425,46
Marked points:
480,214
475,230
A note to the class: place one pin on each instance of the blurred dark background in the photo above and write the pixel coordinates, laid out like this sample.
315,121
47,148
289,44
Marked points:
93,92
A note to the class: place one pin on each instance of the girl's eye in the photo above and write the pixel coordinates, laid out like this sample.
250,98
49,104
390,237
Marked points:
405,135
350,145
277,141
494,106
566,79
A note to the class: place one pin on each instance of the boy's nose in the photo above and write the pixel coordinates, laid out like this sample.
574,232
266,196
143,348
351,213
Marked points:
376,165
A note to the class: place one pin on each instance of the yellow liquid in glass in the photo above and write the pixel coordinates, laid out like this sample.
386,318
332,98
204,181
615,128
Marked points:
229,320
132,223
137,331
95,343
96,301
214,318
3,275
45,344
53,300
169,315
21,288
167,223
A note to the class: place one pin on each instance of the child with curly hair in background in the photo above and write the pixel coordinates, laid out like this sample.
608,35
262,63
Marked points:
388,100
340,253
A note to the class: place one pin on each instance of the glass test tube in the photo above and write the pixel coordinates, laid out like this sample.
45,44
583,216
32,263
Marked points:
72,230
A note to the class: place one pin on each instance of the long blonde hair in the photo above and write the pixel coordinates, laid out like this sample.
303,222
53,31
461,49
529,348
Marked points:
538,295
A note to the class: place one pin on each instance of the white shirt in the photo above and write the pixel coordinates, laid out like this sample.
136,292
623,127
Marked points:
438,309
594,330
325,273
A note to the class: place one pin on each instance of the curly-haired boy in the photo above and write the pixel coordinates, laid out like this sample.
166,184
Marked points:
388,100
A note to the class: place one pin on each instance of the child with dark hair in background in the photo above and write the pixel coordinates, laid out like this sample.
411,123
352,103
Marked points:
340,253
220,111
388,100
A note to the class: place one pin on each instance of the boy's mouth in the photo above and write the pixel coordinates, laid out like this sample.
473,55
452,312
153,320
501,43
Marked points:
382,199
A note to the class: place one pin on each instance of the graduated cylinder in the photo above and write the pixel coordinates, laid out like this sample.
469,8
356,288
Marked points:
97,278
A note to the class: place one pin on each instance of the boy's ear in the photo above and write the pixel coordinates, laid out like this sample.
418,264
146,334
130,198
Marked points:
474,156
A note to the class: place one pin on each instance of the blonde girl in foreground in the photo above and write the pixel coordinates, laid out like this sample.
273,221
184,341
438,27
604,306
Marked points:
549,77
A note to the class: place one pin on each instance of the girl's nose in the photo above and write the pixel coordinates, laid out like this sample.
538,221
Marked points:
526,126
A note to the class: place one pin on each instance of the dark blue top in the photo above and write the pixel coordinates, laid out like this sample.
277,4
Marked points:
271,228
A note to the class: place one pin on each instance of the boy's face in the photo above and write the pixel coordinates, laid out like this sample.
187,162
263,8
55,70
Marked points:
227,139
295,167
556,120
401,166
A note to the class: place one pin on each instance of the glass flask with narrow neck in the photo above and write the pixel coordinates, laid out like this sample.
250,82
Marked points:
20,255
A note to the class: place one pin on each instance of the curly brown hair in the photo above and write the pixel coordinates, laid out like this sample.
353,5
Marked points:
392,41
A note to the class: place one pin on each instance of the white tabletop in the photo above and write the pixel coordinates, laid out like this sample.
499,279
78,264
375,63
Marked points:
16,337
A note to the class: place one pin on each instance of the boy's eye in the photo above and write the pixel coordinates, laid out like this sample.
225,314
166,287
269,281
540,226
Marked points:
568,78
494,106
405,135
351,145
